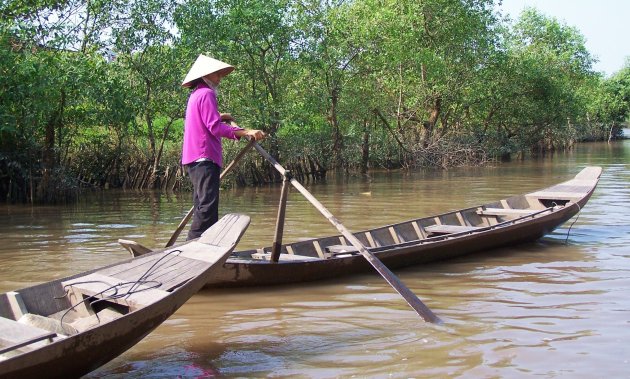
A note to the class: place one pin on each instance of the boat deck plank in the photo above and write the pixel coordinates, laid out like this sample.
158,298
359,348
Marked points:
141,264
450,229
177,278
505,212
133,270
170,271
14,335
566,190
284,257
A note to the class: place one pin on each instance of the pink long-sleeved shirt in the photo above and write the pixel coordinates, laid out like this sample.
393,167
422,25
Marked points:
203,128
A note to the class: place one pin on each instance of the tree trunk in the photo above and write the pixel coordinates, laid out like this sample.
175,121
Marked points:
158,156
610,133
149,120
334,123
45,191
434,114
365,148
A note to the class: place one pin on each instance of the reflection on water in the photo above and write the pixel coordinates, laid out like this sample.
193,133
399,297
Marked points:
546,308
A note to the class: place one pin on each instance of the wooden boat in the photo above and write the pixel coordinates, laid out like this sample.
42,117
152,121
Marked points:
68,327
506,222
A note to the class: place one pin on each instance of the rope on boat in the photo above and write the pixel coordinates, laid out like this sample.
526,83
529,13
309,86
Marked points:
146,274
113,296
566,240
132,290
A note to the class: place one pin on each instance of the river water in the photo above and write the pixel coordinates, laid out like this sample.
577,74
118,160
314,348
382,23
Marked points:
557,307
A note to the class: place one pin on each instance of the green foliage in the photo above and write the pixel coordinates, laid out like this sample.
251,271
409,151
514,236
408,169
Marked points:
608,105
531,96
91,91
615,103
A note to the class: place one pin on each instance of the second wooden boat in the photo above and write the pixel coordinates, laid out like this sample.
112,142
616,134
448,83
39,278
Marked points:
68,327
506,222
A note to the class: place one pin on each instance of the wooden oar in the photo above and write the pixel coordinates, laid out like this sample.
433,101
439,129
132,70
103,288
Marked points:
410,297
186,218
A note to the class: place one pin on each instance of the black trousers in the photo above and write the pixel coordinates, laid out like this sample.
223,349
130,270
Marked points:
205,180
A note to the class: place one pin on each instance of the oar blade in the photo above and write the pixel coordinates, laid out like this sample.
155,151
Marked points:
404,291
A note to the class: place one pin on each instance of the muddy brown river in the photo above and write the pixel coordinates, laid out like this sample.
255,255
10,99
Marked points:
557,307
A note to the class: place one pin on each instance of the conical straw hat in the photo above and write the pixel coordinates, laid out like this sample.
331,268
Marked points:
204,66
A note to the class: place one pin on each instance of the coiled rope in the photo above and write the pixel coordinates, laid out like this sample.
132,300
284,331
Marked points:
133,288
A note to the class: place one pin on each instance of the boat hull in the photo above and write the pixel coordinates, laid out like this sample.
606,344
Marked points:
242,273
76,356
158,284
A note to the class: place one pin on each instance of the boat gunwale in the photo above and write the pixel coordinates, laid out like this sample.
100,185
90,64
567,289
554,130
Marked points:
538,215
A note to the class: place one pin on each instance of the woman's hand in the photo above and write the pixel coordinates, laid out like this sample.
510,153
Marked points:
251,133
256,134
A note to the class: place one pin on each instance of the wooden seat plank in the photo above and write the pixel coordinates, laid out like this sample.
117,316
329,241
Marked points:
337,249
450,229
284,257
14,335
334,251
504,212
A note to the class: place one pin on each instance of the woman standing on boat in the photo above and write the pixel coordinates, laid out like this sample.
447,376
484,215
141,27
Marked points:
204,126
